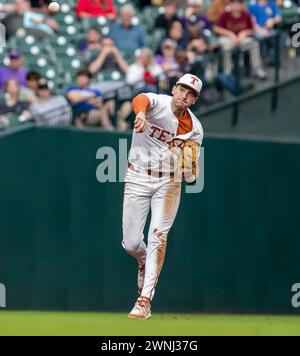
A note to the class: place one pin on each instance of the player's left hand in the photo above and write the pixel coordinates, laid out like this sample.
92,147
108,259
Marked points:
189,161
140,122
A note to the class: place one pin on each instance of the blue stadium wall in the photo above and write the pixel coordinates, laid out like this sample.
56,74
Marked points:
235,247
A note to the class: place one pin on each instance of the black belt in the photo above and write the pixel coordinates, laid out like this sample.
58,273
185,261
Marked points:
152,173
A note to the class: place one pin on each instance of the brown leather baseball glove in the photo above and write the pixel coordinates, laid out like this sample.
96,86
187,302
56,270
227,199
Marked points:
188,161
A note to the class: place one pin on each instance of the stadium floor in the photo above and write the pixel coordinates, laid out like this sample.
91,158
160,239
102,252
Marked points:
116,324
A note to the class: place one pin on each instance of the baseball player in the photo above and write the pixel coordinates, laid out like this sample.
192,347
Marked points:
165,149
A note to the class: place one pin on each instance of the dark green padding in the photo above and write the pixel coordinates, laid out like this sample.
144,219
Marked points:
235,247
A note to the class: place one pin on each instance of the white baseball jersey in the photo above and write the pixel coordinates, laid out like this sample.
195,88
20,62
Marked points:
158,147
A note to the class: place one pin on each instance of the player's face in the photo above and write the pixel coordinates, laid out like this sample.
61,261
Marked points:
183,97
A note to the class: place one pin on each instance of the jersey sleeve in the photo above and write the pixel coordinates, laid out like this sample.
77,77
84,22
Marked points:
153,99
140,103
197,138
198,134
144,102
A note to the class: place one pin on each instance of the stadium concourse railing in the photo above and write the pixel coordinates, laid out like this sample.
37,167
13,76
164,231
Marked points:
275,38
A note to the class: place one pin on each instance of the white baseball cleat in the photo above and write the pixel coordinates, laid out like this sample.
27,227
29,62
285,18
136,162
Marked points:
140,278
141,309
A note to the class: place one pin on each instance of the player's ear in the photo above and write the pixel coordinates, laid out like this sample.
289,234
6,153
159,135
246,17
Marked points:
195,99
173,89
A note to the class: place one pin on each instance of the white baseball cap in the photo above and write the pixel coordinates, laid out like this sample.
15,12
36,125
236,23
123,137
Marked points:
191,81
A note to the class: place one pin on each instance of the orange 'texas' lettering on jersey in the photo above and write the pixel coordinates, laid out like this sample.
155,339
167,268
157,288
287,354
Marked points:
161,135
155,129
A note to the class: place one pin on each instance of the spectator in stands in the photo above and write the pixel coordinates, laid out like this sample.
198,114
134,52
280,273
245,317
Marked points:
194,20
92,42
29,93
109,58
169,15
235,28
37,23
93,8
128,37
197,48
168,61
88,108
143,76
14,70
267,15
199,59
216,9
17,6
14,15
43,91
195,27
11,104
144,73
176,33
40,24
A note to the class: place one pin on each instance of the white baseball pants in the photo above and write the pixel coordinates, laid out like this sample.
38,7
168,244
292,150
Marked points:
141,193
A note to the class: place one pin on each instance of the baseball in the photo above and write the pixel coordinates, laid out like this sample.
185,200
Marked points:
54,7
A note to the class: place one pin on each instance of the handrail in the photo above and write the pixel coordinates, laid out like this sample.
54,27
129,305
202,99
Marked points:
247,96
237,71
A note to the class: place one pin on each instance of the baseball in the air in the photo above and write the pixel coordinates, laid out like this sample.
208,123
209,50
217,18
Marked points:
53,7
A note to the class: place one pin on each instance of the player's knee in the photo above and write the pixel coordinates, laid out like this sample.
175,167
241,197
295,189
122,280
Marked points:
161,238
130,247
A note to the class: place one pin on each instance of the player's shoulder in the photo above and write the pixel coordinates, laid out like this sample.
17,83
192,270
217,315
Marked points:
158,96
158,99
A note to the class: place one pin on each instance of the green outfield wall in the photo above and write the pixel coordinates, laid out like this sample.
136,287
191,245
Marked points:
235,247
